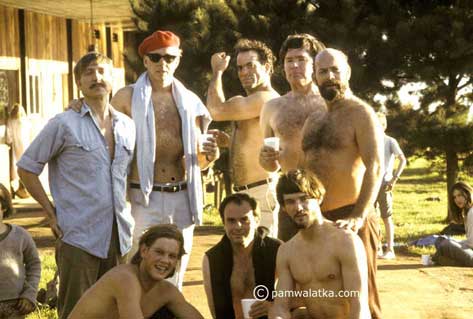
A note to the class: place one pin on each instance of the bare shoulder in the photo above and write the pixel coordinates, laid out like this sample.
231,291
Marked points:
122,100
120,275
274,104
343,239
359,106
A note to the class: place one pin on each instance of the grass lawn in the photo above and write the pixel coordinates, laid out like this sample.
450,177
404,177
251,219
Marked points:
415,215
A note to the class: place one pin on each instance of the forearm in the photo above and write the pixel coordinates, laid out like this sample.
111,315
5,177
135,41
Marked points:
215,95
369,188
34,187
400,167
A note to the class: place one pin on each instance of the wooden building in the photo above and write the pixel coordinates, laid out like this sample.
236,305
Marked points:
40,41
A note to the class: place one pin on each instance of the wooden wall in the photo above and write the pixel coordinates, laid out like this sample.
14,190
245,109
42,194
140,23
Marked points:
117,47
9,39
82,37
46,37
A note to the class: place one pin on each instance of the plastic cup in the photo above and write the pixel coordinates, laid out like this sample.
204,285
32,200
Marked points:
246,306
203,139
426,260
272,142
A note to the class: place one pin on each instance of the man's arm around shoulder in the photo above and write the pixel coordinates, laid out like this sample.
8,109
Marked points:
121,100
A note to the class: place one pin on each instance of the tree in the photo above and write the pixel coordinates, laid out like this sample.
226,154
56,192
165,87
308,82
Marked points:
389,43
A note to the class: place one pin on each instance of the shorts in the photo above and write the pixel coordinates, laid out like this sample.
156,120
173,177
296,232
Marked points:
385,202
265,195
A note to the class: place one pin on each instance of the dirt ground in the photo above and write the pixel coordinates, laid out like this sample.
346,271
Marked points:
408,290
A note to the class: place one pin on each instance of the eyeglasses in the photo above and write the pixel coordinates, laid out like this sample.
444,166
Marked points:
156,57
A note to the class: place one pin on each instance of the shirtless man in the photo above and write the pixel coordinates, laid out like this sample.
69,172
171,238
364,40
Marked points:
255,66
284,117
165,184
243,259
321,257
345,149
137,290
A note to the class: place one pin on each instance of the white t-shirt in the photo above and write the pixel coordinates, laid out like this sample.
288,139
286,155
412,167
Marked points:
391,149
469,228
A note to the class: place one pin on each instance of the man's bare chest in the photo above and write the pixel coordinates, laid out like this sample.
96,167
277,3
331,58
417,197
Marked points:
166,116
328,133
315,267
242,279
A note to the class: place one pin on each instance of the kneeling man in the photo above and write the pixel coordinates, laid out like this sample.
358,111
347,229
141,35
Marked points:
324,263
138,289
244,259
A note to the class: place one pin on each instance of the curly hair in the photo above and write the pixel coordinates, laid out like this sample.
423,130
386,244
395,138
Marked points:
301,41
296,181
466,191
265,55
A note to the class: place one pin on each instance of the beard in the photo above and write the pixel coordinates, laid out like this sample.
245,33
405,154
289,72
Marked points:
331,90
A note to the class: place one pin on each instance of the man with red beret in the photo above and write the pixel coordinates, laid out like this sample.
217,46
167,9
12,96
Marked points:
164,182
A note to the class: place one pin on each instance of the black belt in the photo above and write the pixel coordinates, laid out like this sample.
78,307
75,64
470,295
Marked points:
167,189
248,186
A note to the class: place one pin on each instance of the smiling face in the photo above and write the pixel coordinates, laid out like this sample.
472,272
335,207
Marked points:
301,209
251,72
298,67
332,74
240,223
163,70
160,259
95,80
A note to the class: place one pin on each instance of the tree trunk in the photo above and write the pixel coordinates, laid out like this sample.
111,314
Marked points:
452,174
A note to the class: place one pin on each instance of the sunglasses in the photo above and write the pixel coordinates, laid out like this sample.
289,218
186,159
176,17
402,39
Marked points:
156,57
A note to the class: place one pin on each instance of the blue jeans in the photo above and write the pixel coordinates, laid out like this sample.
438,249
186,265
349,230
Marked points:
453,250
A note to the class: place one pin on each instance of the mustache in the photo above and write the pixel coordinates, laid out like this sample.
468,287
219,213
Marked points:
97,85
328,83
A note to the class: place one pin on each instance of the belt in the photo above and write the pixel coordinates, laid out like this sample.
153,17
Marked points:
167,189
251,185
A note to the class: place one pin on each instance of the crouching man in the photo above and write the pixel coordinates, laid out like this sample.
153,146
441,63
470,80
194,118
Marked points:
138,289
323,264
243,260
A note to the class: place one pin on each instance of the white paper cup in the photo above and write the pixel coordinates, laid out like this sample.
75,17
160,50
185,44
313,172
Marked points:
272,142
426,261
246,306
204,138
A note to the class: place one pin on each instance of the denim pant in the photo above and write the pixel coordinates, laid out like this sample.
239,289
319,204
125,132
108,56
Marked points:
449,249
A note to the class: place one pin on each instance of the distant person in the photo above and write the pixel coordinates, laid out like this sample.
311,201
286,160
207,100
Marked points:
243,259
345,149
451,252
89,154
384,201
254,61
20,266
138,289
284,117
18,131
320,257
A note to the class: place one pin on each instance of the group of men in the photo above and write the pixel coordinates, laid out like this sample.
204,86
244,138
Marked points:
330,158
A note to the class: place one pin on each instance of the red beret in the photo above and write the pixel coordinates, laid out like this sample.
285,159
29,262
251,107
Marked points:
158,40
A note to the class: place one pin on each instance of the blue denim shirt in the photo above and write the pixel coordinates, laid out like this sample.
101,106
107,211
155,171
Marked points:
88,188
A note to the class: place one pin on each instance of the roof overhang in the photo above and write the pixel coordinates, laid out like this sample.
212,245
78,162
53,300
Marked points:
110,12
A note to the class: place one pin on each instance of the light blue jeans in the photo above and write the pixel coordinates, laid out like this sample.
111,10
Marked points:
452,249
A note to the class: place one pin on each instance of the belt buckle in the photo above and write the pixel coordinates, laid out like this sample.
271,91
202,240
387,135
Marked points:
175,188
